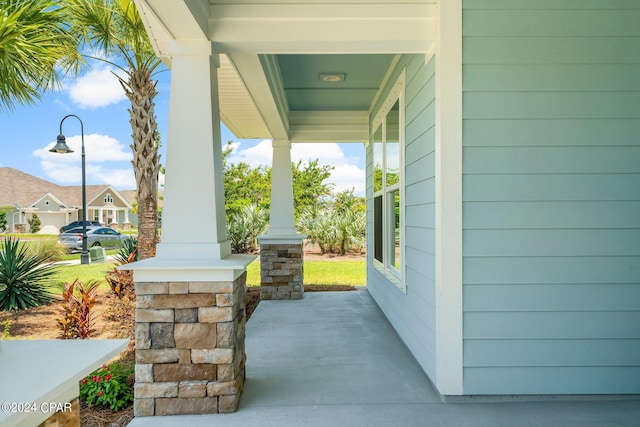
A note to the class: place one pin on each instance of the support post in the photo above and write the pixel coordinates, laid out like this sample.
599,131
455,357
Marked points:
281,249
190,305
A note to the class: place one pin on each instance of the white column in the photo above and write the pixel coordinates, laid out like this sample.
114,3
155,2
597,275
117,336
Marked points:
449,338
101,217
114,213
126,215
281,223
193,217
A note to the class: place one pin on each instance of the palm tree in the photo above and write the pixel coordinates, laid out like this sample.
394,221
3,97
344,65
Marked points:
115,30
34,44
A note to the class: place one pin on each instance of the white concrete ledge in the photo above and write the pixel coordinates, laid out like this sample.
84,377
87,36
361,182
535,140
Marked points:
189,270
282,239
40,372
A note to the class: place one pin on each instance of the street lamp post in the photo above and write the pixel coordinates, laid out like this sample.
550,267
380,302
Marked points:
61,147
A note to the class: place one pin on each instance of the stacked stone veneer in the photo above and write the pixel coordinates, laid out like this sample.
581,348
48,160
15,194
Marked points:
190,353
281,271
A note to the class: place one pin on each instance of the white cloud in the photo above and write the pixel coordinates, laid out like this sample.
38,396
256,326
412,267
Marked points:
256,155
97,88
345,175
66,168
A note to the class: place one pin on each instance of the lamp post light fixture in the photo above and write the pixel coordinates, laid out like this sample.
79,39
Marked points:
61,147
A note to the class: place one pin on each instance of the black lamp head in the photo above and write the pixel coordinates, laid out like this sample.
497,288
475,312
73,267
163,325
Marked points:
61,146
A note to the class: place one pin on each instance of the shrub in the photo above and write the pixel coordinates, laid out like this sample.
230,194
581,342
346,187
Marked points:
6,329
121,281
47,248
122,298
3,221
80,299
110,386
244,227
34,224
24,277
339,228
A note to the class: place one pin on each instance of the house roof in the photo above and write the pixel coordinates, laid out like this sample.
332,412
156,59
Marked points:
274,85
21,189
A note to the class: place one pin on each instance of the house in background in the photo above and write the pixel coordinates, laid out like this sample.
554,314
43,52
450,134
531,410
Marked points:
23,195
503,184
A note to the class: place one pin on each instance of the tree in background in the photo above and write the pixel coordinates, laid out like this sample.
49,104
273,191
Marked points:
34,224
248,196
244,185
35,44
309,185
3,221
339,227
244,227
114,30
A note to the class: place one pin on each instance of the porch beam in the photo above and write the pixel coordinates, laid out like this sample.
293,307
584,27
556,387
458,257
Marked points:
329,126
323,28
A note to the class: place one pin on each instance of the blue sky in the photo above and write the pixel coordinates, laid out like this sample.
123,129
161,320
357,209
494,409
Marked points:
97,98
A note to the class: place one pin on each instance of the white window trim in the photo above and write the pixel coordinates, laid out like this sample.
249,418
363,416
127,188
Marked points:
394,275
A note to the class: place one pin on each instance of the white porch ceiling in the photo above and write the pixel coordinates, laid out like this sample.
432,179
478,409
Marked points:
251,34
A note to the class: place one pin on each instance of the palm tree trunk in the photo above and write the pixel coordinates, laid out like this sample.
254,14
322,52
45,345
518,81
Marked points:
141,91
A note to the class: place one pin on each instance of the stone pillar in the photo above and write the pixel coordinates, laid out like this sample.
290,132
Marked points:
281,252
190,354
190,298
281,270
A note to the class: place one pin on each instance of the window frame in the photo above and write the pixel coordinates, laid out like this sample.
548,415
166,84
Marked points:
386,195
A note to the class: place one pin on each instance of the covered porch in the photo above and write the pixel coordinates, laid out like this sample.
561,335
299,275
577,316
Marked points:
332,358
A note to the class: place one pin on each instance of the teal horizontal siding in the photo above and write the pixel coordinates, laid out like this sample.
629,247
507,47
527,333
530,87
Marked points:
551,22
558,270
551,187
420,193
412,314
551,105
553,297
552,325
577,352
550,132
517,160
548,380
415,152
551,77
551,214
563,242
551,196
550,4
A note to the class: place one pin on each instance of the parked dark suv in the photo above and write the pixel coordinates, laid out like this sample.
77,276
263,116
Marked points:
78,224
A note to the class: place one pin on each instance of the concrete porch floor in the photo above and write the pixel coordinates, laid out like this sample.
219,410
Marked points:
332,359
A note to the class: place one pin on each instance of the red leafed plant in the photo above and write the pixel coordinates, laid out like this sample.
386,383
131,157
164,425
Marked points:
80,299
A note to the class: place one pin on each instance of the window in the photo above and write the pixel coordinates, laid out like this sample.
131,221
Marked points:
108,198
387,139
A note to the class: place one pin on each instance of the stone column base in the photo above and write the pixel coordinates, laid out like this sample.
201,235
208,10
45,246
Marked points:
281,271
190,354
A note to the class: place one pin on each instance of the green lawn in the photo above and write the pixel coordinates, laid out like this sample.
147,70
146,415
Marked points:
352,273
68,273
315,273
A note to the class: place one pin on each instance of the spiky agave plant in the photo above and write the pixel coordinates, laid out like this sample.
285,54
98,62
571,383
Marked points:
24,277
